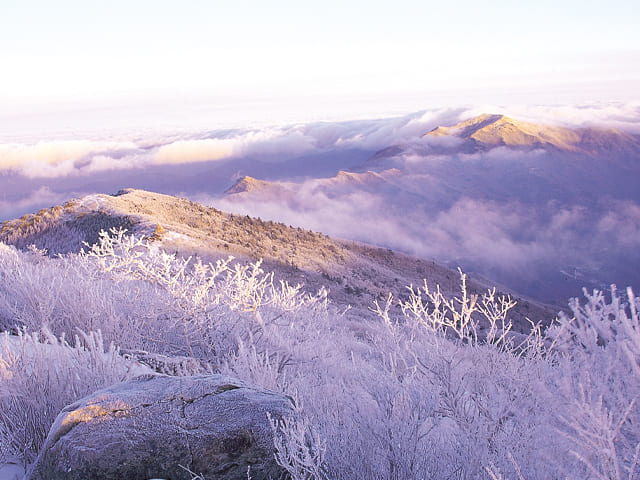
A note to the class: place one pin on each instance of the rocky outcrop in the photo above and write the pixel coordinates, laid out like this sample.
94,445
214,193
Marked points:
157,426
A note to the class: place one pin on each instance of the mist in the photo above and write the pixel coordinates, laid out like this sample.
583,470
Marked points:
543,222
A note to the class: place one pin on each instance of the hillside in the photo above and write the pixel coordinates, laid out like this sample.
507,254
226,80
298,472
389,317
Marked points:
491,130
486,132
371,395
376,386
355,273
545,207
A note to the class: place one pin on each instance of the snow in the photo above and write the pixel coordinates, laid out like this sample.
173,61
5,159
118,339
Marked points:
175,236
92,201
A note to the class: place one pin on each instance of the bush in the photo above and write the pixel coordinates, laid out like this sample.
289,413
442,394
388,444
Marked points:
41,374
599,389
426,387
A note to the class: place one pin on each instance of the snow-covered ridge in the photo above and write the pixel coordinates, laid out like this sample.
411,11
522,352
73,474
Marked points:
355,273
373,394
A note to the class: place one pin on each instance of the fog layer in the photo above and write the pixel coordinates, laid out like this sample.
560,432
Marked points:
538,219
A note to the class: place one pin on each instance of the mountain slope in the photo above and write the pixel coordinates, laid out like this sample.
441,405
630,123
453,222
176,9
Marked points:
488,131
249,188
247,184
356,274
544,209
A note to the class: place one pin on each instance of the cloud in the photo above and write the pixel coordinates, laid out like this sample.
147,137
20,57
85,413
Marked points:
45,153
502,153
620,226
625,116
445,141
354,215
268,144
189,151
274,144
510,213
469,228
56,158
281,142
516,241
105,163
34,200
378,134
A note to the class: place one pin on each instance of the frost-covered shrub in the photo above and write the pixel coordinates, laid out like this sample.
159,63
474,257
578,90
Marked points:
41,374
412,389
147,300
68,294
206,310
421,398
598,389
426,387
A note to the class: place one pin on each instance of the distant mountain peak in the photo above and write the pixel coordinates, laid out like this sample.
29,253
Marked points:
495,129
469,127
491,130
247,184
353,178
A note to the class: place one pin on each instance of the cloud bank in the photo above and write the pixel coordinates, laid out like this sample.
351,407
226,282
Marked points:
518,217
82,157
510,242
31,202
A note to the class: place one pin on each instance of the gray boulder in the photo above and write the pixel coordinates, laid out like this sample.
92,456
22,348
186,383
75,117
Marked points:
151,426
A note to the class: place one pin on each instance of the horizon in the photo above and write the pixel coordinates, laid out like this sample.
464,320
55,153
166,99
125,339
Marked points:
75,69
532,218
184,100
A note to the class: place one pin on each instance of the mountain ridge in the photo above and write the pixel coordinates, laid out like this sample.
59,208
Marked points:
355,273
491,130
246,184
456,193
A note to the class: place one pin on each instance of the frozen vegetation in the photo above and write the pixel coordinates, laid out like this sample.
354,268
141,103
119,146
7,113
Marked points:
416,390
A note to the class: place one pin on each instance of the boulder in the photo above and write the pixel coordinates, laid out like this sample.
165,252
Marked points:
157,426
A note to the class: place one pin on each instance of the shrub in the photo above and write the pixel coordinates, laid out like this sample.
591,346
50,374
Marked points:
41,374
423,387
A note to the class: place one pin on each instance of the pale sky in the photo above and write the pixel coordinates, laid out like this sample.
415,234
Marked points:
64,55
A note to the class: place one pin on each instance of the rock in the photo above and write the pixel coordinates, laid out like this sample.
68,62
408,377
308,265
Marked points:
154,425
168,365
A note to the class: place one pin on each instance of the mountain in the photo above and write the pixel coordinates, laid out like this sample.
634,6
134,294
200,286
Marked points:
491,130
544,209
249,188
502,159
488,131
355,273
247,184
342,178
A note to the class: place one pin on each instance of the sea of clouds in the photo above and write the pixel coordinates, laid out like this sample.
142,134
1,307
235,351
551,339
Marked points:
543,234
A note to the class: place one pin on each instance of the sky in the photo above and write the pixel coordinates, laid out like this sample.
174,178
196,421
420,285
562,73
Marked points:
185,97
72,64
